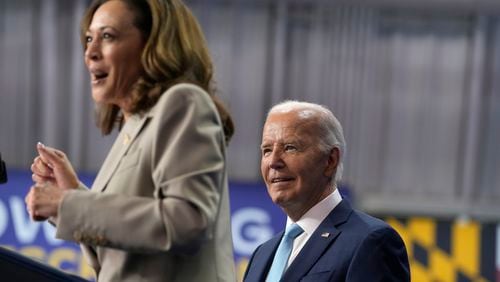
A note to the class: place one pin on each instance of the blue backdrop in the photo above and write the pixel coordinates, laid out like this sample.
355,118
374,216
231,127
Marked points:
254,220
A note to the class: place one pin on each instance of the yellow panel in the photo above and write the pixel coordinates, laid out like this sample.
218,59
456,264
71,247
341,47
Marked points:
423,231
418,272
465,247
441,265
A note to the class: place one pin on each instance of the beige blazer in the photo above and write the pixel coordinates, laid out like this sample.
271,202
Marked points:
158,209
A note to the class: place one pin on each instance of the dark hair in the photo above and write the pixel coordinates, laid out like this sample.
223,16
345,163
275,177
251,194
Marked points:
175,52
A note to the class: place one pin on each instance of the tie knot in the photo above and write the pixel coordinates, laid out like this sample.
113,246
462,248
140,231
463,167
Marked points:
293,231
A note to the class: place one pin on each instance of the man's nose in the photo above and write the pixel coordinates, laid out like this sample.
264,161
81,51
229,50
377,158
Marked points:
276,160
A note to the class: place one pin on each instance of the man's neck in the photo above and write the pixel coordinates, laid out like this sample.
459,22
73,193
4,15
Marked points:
296,212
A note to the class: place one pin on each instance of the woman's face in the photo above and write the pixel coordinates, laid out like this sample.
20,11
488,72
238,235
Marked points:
113,53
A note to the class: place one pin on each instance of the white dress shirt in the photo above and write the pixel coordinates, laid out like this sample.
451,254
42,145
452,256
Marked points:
311,220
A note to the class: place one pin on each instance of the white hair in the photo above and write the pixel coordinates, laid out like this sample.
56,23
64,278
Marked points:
330,134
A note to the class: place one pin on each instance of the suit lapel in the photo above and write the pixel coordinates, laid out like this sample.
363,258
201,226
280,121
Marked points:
320,241
127,135
263,259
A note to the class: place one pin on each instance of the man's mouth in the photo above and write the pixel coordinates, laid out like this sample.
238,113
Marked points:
281,179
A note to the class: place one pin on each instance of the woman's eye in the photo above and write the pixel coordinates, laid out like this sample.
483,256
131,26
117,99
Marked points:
88,39
107,35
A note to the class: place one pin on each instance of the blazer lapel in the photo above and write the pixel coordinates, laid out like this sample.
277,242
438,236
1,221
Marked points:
127,135
320,241
263,259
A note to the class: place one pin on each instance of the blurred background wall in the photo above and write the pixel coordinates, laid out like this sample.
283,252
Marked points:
414,83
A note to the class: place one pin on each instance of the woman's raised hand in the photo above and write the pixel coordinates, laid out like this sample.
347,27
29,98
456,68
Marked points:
52,165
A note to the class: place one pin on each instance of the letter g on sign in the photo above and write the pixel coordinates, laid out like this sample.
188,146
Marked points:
250,227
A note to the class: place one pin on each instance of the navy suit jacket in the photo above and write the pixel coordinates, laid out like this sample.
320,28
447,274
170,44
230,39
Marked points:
358,247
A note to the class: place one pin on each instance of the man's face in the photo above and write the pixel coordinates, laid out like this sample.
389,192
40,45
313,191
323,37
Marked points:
297,174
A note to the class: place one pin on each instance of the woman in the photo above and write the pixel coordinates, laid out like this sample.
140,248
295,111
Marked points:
158,209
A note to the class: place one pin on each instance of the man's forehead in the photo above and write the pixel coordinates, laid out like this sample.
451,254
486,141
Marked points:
287,129
276,129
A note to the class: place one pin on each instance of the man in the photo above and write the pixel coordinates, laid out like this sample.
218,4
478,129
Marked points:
302,149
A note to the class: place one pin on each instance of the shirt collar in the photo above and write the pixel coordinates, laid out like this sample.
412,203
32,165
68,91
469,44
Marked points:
310,221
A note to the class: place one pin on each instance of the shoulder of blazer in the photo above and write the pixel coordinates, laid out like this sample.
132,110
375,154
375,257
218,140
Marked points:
178,93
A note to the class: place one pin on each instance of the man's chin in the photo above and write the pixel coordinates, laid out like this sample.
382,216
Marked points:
280,200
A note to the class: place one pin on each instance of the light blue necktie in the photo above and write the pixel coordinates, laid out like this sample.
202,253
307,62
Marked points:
283,253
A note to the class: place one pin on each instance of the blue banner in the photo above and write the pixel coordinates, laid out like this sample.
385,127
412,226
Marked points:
254,220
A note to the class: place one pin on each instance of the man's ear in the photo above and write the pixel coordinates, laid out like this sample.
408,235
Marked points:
332,162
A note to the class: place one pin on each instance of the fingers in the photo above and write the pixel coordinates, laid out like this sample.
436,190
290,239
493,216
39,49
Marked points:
30,205
38,179
40,168
53,166
50,156
35,202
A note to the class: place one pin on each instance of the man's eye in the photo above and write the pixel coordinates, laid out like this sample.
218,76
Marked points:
266,152
290,148
88,39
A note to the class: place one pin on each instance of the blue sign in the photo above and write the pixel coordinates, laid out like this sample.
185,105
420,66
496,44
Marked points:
254,220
